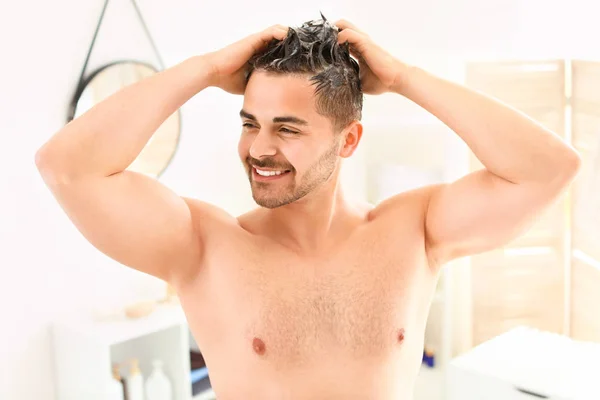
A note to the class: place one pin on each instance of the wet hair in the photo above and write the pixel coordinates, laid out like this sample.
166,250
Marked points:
312,49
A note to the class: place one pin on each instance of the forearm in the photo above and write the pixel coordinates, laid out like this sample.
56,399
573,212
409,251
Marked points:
107,138
508,143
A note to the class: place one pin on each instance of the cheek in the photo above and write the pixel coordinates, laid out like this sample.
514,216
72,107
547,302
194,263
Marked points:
295,155
301,156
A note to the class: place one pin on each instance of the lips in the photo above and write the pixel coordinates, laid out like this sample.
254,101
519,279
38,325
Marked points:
259,174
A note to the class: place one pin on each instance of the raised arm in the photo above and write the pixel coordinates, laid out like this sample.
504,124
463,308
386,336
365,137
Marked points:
527,168
128,216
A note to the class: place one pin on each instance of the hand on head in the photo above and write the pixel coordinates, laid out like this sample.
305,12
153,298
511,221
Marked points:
228,65
380,72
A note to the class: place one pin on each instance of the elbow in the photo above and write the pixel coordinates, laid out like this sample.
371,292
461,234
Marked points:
47,164
567,169
43,164
577,160
42,160
573,164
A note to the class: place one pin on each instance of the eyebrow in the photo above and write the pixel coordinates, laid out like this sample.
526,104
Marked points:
276,120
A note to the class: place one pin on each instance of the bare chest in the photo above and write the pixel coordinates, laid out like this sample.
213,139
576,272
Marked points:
352,313
359,304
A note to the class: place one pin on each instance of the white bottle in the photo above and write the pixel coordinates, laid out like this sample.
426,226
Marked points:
135,382
115,387
158,386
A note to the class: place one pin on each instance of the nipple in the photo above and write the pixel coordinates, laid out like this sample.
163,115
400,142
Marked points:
400,336
258,346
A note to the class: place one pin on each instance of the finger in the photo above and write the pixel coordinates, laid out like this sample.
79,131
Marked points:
355,39
278,32
262,39
356,54
345,24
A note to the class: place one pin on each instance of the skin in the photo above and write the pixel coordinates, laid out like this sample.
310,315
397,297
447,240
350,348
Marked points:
285,146
309,296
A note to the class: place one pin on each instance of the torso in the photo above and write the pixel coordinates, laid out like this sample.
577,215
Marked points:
275,325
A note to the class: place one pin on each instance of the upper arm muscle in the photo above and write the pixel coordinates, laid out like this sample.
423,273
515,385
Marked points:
135,220
479,212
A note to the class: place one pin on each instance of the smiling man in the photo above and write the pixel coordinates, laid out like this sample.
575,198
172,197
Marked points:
286,156
308,296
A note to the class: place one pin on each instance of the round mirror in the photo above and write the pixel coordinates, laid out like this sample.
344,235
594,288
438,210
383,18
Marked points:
109,79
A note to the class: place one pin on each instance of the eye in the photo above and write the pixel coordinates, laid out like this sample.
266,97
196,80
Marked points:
248,125
286,130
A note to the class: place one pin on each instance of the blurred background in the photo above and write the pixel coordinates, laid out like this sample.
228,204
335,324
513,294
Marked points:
503,323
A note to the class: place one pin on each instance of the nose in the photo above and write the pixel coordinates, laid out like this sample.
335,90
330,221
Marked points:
263,145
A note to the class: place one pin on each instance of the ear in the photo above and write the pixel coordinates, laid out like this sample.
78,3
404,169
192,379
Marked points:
351,136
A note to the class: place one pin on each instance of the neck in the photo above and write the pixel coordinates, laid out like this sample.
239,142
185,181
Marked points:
313,222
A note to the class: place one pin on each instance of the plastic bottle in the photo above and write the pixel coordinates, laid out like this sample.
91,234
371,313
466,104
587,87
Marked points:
158,386
135,382
115,388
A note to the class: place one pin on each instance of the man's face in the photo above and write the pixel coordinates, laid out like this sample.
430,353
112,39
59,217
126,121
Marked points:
288,149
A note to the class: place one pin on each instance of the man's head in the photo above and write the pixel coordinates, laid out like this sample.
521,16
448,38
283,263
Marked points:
301,113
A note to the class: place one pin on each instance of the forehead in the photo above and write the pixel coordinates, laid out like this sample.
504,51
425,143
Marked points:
269,95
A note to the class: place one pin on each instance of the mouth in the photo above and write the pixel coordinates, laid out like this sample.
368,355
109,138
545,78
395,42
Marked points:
266,175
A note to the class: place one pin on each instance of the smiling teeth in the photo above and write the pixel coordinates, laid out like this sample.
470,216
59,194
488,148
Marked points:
268,173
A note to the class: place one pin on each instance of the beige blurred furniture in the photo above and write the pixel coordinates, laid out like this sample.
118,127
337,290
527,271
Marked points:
585,293
550,277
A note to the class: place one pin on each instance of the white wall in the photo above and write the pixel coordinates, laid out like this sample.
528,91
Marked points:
48,268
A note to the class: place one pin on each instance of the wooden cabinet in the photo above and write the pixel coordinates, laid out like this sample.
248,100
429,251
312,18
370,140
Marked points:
585,315
585,258
512,290
523,283
548,278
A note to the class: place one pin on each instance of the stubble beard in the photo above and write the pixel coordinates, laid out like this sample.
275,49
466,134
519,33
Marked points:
277,194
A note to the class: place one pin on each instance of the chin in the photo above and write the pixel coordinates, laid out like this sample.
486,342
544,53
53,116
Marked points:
270,202
277,201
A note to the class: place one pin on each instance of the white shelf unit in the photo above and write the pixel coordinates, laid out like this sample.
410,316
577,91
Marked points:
430,384
85,351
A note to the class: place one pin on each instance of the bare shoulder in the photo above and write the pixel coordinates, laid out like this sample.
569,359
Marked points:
403,218
413,203
211,221
210,212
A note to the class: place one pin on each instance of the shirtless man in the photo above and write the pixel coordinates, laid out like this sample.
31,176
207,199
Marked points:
308,296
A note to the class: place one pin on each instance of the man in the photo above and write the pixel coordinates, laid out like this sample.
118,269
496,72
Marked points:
308,296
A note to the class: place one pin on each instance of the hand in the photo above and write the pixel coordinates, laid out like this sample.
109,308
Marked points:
228,65
380,72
